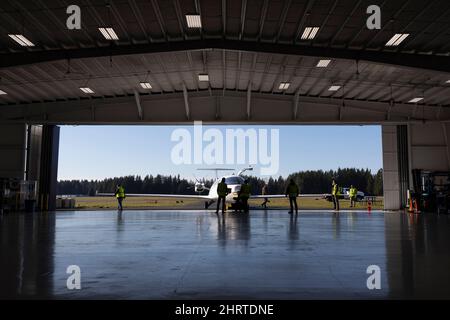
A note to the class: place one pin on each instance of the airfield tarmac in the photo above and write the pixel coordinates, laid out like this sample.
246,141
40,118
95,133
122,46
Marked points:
193,254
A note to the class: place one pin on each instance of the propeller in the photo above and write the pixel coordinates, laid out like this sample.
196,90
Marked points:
199,186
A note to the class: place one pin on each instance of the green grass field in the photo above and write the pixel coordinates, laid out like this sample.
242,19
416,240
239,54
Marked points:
168,203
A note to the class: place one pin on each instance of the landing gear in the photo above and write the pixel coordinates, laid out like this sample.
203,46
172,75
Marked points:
207,204
239,206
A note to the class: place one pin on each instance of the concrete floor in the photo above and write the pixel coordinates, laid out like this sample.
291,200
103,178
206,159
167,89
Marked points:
195,255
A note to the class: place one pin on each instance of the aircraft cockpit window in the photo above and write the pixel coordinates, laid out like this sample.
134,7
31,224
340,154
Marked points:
234,180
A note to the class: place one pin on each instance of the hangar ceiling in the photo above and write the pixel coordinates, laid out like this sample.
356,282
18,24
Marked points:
247,48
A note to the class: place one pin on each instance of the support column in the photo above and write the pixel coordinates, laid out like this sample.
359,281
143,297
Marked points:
391,183
33,161
396,167
48,167
403,164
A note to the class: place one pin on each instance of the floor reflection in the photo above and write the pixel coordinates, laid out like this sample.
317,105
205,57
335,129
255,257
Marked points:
266,254
234,227
26,255
418,256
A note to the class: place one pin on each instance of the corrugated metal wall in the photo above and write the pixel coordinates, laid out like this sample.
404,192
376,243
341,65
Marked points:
12,151
429,146
391,183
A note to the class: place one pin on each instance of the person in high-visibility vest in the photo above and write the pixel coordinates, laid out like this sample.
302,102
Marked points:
292,191
120,195
352,194
335,194
222,191
244,194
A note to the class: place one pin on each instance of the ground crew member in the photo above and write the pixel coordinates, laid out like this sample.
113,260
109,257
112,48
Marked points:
292,191
222,191
120,195
244,194
335,194
264,191
352,194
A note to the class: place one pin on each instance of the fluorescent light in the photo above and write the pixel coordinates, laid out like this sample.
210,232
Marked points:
2,92
397,39
284,85
87,90
146,85
109,33
415,100
310,33
323,63
21,39
203,77
448,81
193,21
334,88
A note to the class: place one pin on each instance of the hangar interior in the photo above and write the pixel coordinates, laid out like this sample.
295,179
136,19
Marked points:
226,62
289,62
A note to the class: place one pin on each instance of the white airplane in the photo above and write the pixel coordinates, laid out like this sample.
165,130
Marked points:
233,181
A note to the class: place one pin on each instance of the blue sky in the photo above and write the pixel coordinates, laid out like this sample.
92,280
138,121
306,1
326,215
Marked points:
97,152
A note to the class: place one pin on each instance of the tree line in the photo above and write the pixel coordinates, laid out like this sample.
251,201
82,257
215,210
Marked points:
317,181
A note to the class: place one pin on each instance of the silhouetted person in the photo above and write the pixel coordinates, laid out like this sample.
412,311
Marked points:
292,191
264,191
335,195
120,195
244,194
222,191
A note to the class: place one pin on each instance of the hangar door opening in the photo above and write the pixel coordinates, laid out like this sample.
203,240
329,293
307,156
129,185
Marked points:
167,159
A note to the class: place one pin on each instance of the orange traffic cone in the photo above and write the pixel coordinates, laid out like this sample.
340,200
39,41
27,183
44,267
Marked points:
369,206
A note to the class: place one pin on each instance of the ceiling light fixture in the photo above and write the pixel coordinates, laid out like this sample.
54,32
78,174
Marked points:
203,77
334,88
193,21
310,33
146,85
415,100
109,33
21,39
323,63
2,92
397,39
284,85
86,90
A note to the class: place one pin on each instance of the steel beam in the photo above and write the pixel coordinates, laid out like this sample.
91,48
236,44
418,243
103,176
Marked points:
422,61
138,104
186,102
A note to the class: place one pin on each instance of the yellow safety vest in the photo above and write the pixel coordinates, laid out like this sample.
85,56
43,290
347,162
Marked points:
222,189
335,190
353,192
120,192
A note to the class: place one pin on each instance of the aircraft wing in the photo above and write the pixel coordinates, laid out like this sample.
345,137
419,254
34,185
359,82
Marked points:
272,196
153,195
